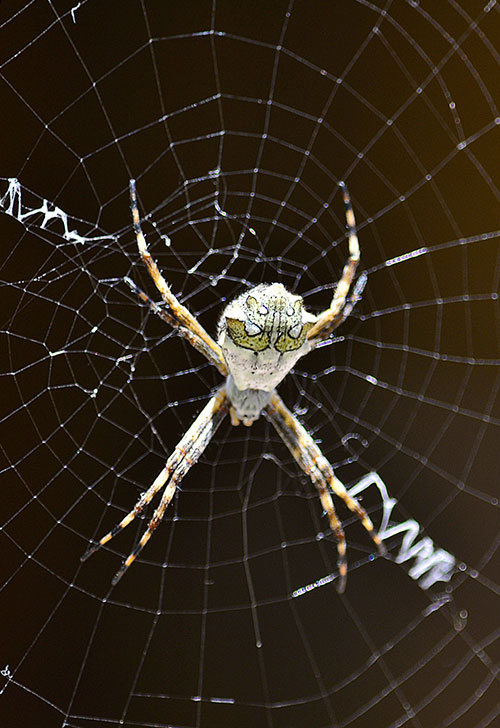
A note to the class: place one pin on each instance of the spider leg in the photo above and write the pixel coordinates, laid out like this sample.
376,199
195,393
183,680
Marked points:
184,456
186,333
350,302
178,315
333,316
316,466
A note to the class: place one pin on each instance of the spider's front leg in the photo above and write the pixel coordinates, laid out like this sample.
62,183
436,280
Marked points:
341,305
183,457
316,466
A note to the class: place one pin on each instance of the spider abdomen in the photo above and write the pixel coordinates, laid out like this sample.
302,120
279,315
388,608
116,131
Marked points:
262,334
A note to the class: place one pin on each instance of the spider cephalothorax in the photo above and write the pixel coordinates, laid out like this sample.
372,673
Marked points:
262,334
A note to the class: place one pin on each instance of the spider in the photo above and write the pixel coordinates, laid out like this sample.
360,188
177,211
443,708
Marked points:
261,335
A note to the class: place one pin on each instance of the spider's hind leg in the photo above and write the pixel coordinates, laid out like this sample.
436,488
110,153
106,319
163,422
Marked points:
341,306
178,316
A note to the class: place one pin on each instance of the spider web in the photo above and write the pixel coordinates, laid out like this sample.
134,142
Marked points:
238,121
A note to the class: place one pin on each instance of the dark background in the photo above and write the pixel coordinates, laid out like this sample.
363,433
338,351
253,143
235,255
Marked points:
400,100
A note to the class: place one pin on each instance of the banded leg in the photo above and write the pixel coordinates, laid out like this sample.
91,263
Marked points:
345,311
180,317
183,457
186,333
332,317
314,464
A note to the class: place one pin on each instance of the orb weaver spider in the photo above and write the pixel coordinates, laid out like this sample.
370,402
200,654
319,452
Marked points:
261,335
